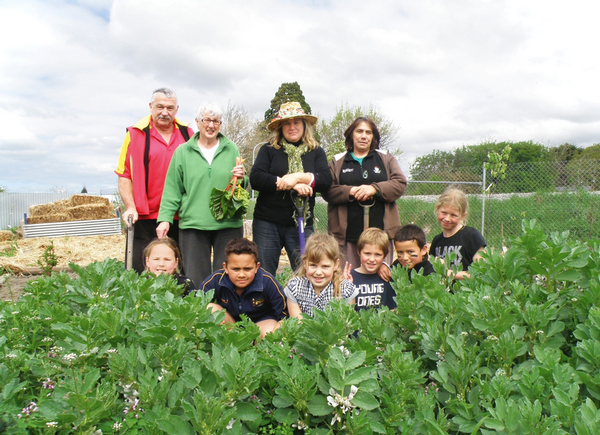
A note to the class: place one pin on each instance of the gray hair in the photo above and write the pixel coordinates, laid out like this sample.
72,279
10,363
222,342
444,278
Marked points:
169,93
209,109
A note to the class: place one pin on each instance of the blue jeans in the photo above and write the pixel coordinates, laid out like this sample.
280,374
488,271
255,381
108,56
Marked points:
271,238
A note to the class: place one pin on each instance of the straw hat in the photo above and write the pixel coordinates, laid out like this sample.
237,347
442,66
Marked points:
288,111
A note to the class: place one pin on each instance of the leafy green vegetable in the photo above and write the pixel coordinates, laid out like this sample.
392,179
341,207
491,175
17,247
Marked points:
232,202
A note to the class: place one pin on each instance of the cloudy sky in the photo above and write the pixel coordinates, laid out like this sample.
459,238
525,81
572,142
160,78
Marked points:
75,73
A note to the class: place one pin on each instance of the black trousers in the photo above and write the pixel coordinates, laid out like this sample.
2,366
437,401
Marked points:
196,247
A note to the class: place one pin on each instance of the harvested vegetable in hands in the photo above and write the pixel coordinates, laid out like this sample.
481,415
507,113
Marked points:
233,201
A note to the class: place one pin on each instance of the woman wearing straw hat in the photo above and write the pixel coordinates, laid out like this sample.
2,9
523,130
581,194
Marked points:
366,180
291,161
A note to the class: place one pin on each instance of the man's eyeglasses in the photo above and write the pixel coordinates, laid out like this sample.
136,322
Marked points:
207,121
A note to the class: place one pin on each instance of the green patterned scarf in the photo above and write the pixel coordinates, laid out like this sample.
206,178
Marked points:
295,154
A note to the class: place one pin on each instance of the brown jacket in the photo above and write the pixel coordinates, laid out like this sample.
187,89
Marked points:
339,195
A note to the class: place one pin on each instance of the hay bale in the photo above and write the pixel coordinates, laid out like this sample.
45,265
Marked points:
46,209
6,236
49,218
90,212
77,200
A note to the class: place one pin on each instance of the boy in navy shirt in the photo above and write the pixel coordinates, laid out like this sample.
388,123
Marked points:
373,291
411,247
243,287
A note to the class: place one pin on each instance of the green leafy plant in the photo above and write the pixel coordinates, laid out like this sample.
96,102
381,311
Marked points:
48,260
232,202
513,350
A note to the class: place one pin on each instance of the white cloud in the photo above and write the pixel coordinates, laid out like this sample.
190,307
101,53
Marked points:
74,74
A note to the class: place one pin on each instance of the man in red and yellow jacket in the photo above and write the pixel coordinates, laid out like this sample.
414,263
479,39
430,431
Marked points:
143,164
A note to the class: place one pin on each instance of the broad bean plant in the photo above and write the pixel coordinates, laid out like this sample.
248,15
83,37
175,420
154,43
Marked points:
515,349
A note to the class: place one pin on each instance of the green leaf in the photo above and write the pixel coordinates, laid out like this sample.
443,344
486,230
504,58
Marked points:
286,415
354,360
336,378
365,400
360,375
247,411
495,424
176,425
282,402
318,406
377,427
568,275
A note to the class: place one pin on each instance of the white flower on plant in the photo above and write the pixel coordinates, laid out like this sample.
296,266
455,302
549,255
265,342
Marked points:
500,372
70,357
492,338
300,425
11,356
117,426
485,298
111,351
52,424
230,424
46,340
539,332
335,399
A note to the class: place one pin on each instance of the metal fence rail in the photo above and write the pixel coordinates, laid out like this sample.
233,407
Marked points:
14,205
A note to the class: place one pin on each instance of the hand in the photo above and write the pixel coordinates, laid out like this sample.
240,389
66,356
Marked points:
287,182
130,212
162,229
238,171
385,272
347,274
364,192
303,189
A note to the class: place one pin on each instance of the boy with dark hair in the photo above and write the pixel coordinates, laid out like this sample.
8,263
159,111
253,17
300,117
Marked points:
411,247
373,291
243,287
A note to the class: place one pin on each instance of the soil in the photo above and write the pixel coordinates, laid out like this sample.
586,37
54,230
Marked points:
18,258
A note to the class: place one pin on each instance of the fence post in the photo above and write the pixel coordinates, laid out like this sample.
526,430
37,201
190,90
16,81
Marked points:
483,200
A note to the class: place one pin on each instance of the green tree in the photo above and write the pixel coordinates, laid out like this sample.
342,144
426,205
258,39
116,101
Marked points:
591,152
286,93
331,131
584,174
564,152
465,163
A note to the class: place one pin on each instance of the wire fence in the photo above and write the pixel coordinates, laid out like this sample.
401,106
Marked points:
560,196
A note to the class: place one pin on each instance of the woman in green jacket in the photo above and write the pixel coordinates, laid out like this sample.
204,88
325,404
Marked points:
206,161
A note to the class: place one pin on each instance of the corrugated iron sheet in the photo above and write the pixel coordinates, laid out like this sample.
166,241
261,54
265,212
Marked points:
101,227
14,205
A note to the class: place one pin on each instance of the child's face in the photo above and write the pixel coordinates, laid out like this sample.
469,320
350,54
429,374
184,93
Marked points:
320,274
241,269
161,260
371,258
409,253
449,218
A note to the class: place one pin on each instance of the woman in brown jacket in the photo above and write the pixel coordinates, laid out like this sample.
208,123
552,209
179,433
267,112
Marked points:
363,176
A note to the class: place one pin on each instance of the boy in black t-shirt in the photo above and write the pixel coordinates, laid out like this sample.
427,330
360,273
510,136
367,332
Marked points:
411,248
373,291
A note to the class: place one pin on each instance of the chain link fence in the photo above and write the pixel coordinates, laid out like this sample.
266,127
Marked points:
561,196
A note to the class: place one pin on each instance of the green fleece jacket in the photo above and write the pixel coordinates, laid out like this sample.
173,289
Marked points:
190,181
